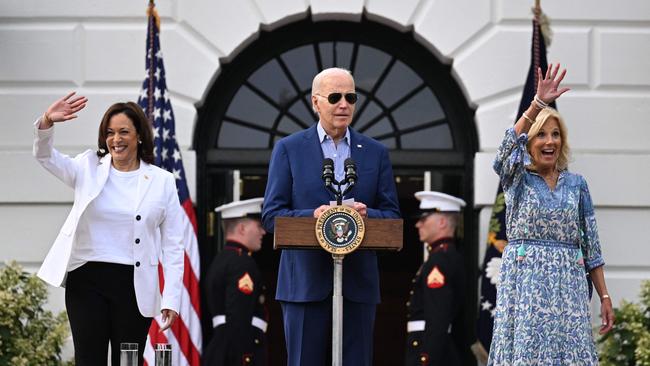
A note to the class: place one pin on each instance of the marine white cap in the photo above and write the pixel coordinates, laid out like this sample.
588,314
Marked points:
237,209
431,201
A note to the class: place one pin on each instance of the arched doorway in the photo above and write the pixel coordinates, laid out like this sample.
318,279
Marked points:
408,100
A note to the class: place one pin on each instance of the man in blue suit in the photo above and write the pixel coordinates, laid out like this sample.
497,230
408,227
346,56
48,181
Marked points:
295,188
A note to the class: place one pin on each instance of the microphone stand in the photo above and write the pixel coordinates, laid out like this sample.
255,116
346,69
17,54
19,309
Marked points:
337,191
337,291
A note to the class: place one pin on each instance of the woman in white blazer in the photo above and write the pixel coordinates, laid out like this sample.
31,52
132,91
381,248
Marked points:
125,218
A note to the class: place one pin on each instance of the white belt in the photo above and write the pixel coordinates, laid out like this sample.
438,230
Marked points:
259,323
256,322
218,320
415,326
419,325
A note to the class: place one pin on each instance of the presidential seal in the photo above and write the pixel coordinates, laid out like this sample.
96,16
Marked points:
340,230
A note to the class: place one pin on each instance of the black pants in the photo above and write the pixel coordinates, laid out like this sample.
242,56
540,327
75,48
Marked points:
101,305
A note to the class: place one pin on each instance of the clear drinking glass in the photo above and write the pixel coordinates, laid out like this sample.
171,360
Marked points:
163,354
128,354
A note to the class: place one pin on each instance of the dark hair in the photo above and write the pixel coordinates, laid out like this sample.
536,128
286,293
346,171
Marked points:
141,124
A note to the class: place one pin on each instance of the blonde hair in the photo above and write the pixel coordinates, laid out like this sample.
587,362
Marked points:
565,150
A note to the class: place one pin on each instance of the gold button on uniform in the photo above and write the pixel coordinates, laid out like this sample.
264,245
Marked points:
415,343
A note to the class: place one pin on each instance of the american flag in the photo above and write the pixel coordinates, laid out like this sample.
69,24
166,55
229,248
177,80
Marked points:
185,335
497,239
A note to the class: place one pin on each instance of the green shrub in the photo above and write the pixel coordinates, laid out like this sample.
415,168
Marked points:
628,343
29,335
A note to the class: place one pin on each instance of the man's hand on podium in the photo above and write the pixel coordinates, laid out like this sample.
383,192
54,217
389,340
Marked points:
319,211
360,207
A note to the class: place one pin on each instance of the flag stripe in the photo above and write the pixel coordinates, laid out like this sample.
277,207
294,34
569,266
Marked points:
182,336
191,284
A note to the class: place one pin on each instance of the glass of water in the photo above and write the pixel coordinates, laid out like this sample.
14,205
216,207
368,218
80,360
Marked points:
163,354
128,354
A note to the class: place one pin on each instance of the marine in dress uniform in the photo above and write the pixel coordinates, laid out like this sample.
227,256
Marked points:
435,306
235,292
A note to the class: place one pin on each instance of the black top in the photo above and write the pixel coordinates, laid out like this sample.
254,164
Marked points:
234,289
436,299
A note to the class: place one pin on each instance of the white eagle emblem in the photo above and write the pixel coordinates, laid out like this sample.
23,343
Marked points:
340,229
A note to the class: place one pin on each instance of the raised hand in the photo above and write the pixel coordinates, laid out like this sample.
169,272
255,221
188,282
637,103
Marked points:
548,87
64,109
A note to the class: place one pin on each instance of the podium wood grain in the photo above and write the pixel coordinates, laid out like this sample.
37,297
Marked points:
299,233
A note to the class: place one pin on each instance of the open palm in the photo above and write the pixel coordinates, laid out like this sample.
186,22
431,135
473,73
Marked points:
548,87
66,108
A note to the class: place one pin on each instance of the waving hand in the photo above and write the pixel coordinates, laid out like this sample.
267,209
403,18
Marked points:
63,109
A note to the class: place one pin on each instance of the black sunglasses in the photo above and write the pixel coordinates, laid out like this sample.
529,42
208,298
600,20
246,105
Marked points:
335,97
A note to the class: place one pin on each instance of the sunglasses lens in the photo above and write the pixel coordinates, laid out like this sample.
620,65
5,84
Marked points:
351,98
334,98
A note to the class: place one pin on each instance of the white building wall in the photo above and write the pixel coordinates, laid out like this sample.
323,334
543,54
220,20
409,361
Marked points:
97,48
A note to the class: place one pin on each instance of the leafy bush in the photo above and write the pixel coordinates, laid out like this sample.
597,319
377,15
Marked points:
29,335
628,344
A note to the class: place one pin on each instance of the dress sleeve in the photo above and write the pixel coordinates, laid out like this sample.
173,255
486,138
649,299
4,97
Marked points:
589,230
512,158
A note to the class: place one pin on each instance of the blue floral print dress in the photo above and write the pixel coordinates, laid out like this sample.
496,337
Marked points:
542,313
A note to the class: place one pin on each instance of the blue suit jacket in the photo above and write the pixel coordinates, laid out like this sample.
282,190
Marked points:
295,188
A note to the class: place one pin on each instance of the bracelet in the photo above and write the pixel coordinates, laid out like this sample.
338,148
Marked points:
525,116
604,297
47,119
540,103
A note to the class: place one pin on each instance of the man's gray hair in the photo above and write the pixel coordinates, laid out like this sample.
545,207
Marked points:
315,85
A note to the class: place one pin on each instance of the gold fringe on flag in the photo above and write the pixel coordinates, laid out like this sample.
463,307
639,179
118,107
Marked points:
544,23
151,10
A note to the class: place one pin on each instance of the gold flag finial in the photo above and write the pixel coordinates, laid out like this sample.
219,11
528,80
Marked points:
151,10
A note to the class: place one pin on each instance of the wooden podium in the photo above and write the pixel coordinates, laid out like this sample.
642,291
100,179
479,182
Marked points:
300,233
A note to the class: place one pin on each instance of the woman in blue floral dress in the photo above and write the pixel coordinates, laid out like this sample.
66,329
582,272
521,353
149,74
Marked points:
542,313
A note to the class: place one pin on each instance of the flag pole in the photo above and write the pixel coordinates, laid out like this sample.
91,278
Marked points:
151,15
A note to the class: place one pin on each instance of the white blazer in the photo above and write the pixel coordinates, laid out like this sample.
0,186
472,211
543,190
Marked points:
157,222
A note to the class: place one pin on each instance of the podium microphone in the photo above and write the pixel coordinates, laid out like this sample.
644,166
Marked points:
350,171
328,171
